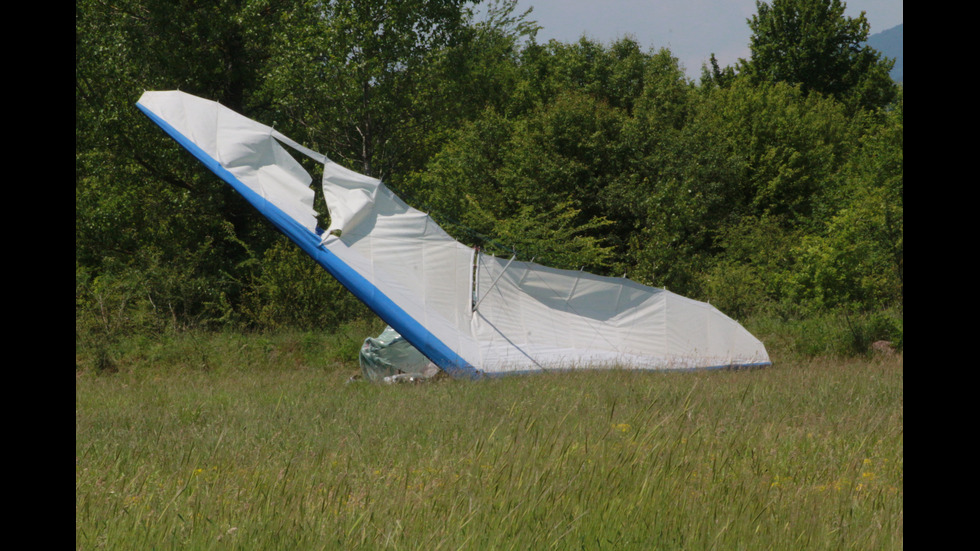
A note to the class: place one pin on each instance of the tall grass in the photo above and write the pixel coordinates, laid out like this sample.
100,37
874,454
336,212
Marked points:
284,453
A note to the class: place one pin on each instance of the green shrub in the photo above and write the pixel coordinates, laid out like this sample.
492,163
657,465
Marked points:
836,334
290,290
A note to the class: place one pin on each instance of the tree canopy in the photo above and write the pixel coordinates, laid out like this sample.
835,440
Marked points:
813,44
773,185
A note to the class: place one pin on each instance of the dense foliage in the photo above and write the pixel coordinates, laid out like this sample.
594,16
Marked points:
765,188
813,44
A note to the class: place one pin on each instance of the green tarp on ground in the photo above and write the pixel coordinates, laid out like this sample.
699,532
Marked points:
390,358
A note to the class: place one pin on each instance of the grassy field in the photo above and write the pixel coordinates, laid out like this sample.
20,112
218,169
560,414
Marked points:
251,443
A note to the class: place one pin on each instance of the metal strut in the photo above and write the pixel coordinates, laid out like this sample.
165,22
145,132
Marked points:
495,280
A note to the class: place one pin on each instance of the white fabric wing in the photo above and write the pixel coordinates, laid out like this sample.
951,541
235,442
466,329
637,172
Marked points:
468,313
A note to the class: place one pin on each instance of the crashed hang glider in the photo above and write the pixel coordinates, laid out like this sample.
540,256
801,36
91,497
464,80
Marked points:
471,314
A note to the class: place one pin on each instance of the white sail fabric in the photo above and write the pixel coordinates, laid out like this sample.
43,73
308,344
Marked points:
539,317
470,314
243,147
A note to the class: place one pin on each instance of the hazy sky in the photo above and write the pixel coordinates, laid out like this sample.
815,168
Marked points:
691,29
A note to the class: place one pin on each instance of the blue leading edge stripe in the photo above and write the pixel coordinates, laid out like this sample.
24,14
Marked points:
420,337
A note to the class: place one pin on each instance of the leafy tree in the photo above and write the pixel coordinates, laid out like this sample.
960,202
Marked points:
554,156
749,274
715,75
293,291
813,44
524,185
857,259
481,70
353,78
746,152
147,218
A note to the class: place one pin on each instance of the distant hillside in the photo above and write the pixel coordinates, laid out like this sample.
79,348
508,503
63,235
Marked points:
889,43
